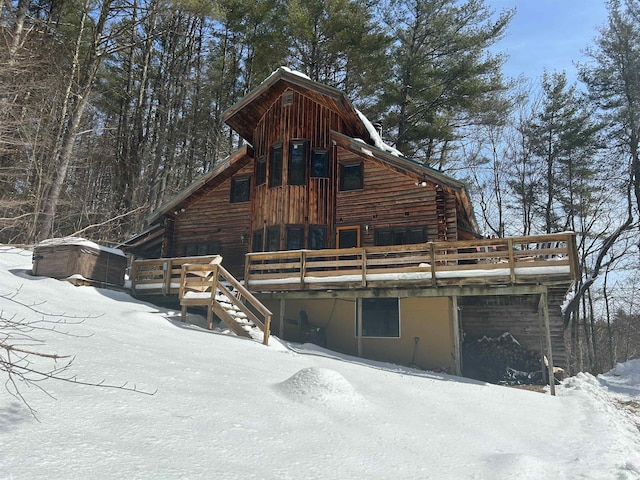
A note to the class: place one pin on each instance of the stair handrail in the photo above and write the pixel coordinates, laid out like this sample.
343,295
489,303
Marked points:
265,325
220,272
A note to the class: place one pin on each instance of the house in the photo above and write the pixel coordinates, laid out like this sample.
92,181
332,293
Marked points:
349,243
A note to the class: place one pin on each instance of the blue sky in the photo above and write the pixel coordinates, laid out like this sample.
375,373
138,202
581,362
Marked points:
548,34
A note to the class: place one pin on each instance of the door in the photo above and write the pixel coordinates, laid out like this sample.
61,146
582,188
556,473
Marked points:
348,237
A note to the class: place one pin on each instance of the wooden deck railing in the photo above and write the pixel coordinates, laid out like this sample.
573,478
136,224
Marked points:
161,276
515,260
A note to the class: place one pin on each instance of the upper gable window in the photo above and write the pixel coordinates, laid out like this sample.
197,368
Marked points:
287,98
298,162
261,171
320,164
351,176
240,189
275,165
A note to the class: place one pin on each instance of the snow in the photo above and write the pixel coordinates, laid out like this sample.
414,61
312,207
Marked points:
375,136
426,275
231,408
82,242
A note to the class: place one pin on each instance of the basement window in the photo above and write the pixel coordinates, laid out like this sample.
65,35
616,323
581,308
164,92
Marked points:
351,176
240,189
380,317
275,165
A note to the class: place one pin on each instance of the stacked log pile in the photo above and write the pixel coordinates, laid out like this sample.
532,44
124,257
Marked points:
500,360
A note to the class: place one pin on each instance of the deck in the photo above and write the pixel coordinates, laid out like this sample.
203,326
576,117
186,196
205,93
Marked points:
542,259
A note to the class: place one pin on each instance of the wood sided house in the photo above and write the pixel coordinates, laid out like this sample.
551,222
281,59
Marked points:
339,239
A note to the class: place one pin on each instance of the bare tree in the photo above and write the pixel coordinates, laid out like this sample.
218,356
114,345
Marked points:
24,361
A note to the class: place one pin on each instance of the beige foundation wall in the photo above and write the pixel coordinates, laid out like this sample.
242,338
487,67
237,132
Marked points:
428,319
335,315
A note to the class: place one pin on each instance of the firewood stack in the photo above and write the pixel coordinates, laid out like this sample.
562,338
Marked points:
500,360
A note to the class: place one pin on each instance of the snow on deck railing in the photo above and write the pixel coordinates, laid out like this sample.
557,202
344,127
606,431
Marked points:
497,260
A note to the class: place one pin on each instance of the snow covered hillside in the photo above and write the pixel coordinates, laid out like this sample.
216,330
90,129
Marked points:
231,408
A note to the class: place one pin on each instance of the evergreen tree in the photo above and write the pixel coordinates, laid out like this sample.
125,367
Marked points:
442,73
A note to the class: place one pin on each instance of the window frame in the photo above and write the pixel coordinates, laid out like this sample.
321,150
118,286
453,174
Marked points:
290,229
299,170
315,152
275,165
318,228
235,181
261,170
272,233
376,307
343,176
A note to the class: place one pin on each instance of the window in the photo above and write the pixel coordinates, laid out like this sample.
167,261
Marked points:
295,237
351,176
416,235
257,241
320,164
298,162
273,239
275,166
240,189
380,317
261,171
212,247
317,237
400,236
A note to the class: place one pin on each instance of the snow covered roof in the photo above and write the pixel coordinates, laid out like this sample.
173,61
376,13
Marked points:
78,241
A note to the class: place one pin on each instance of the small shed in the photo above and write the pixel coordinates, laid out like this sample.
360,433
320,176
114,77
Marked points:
65,257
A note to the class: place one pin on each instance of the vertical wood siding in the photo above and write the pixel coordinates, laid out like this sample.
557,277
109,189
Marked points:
307,204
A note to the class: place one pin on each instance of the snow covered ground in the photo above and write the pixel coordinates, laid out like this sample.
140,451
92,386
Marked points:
231,408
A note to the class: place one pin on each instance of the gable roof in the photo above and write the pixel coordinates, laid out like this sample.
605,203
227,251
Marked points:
244,116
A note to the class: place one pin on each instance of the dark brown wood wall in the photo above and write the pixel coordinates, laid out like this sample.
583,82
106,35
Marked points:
391,199
517,315
214,218
296,204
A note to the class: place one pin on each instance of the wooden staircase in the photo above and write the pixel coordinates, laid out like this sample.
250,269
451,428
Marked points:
212,287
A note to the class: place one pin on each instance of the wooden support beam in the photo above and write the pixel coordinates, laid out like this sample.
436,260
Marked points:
359,323
281,329
545,312
457,352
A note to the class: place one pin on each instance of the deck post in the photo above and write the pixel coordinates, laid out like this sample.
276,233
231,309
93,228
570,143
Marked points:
545,312
432,252
512,263
133,274
456,335
281,329
359,324
167,269
303,267
364,267
214,289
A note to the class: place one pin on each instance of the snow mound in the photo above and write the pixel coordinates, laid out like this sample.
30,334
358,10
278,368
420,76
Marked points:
623,378
321,386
